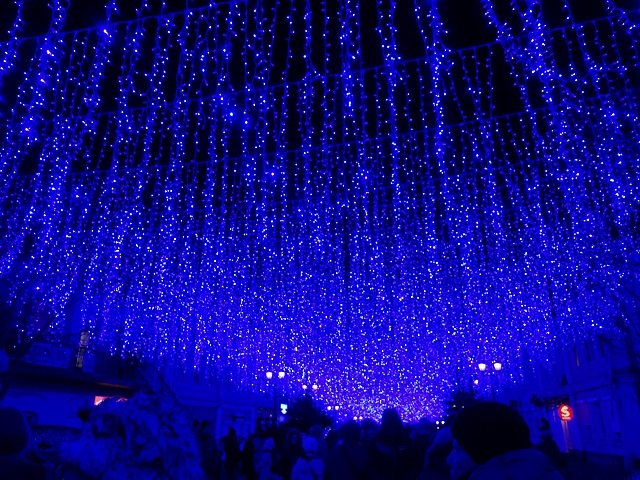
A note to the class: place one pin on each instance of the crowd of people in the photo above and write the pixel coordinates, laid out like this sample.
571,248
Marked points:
146,438
488,440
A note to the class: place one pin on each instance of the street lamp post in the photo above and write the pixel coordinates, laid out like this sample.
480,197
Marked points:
275,393
497,366
334,409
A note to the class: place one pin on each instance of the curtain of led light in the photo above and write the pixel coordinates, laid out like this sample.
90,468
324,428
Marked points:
365,196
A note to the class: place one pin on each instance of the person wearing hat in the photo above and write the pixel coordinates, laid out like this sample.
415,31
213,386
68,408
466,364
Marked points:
491,441
267,461
309,466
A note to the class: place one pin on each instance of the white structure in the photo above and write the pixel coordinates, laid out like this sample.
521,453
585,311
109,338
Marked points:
219,404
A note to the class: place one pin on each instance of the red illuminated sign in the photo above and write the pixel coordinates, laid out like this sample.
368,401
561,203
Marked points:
565,412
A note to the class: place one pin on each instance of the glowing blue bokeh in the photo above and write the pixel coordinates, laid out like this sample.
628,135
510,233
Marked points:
374,208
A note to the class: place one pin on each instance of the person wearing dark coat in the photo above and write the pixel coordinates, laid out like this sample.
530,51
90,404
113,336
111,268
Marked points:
421,441
491,441
370,431
291,453
390,455
15,436
347,460
232,453
248,454
208,447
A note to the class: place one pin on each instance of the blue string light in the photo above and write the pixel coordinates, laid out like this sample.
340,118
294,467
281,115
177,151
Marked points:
242,186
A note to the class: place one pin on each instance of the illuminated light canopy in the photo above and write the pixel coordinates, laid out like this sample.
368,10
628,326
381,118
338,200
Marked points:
373,195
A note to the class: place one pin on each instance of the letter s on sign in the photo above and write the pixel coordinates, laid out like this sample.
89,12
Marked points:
565,412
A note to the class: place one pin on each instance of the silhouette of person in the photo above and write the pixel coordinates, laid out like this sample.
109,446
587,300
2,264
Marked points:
491,441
